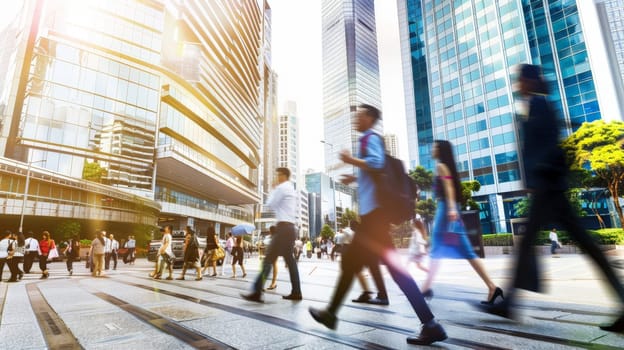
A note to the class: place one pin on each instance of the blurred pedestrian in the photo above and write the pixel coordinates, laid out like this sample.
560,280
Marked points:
229,244
267,243
98,245
417,250
32,251
282,200
545,171
112,247
191,254
19,253
12,258
449,239
210,251
554,242
131,246
165,255
5,251
238,255
72,253
372,241
47,248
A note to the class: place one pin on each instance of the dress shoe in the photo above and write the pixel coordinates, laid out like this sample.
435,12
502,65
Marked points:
12,280
272,287
180,278
497,293
363,298
169,278
378,301
501,309
292,296
323,316
254,296
428,294
21,275
199,278
428,334
617,326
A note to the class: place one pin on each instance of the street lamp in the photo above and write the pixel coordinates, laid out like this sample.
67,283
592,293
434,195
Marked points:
26,193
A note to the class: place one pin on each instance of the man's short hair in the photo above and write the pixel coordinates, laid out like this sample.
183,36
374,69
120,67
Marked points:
284,171
372,111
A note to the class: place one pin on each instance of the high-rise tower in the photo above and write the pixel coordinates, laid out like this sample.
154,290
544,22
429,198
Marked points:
350,73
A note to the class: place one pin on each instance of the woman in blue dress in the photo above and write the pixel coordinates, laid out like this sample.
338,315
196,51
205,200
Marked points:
449,239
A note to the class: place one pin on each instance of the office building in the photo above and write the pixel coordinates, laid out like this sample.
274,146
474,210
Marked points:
350,74
133,112
289,141
391,143
458,60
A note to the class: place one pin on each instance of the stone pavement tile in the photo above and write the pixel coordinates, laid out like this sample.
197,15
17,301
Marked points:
306,343
247,333
498,339
19,325
149,339
66,298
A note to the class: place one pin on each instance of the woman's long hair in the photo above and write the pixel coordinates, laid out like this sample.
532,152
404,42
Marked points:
445,156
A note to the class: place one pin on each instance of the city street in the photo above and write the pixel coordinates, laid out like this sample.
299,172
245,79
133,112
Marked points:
128,310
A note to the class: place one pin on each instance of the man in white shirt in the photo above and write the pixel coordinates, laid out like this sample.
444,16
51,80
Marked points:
114,247
131,245
229,244
108,248
32,250
554,242
165,254
4,251
282,200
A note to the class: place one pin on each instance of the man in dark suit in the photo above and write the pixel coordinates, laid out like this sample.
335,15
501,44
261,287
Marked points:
545,172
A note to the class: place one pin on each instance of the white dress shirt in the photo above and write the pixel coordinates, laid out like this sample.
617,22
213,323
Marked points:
283,200
34,244
107,245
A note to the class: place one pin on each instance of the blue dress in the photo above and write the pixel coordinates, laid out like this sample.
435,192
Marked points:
440,249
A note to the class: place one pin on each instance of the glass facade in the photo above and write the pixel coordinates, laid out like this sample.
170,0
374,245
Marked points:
155,99
557,43
461,55
350,73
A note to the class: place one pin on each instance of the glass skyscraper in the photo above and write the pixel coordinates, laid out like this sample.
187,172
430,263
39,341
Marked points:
459,58
350,73
149,101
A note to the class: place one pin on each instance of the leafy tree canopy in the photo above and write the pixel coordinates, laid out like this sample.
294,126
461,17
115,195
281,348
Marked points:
599,145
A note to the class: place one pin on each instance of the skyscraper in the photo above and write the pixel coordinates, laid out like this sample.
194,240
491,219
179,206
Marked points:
458,60
289,141
611,19
350,73
136,112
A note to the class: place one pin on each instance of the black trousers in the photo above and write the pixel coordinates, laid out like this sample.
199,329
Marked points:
14,266
29,258
372,243
70,262
3,261
43,262
282,243
548,207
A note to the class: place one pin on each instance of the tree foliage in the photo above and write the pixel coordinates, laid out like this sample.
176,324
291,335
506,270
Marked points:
348,216
67,229
327,232
422,177
468,187
92,171
599,145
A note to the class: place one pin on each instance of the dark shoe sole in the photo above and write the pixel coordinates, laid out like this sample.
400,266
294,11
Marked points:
257,298
377,301
295,297
318,317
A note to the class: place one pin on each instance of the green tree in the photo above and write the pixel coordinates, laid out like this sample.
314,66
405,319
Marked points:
583,178
348,216
422,177
599,145
522,207
327,232
467,188
67,229
92,171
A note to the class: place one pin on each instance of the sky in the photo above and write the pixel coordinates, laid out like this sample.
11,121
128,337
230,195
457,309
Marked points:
296,57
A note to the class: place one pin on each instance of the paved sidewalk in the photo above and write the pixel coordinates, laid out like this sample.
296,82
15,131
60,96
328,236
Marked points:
126,309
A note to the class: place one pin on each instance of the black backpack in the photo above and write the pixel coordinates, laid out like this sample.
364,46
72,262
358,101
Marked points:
395,190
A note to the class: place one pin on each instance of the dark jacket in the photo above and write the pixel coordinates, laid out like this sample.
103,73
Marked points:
545,168
191,252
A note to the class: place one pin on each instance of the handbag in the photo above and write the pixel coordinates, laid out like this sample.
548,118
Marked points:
53,254
451,236
219,253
